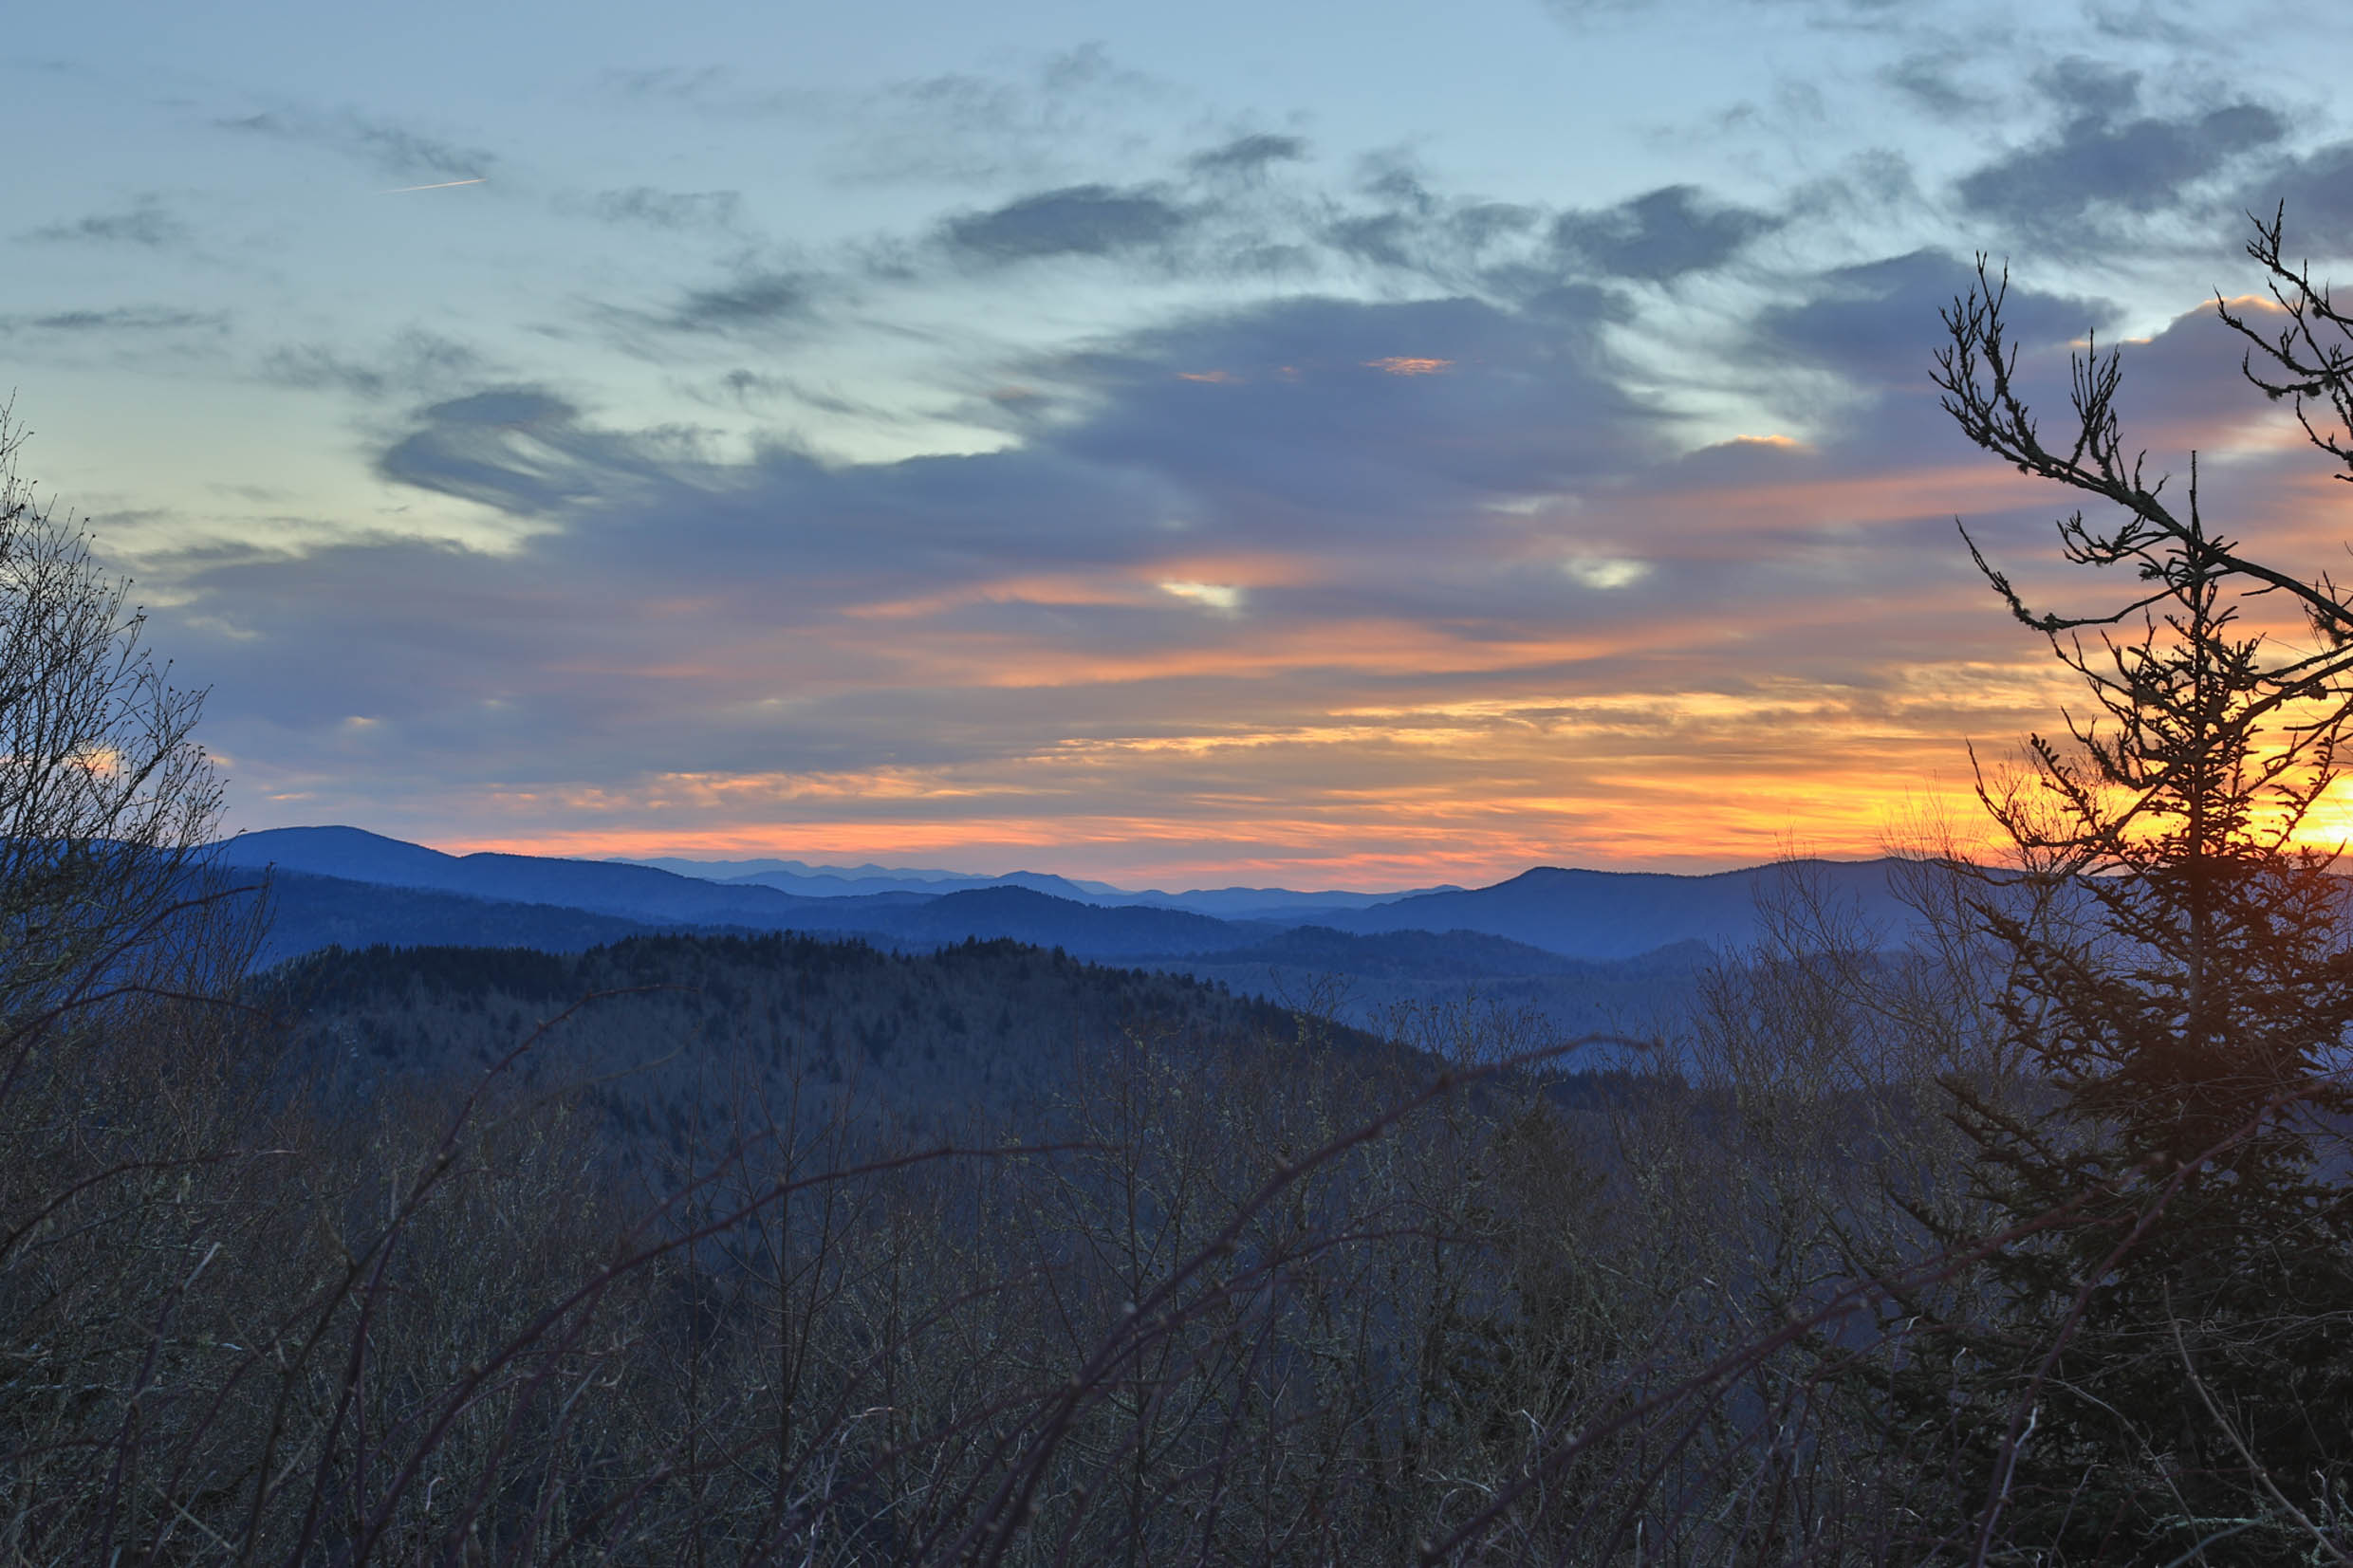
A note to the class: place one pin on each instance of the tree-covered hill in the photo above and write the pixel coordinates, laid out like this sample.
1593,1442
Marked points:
671,1027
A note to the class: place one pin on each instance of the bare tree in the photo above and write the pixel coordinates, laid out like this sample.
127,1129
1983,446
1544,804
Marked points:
107,802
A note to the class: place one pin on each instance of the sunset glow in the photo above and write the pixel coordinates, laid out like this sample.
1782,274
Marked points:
904,439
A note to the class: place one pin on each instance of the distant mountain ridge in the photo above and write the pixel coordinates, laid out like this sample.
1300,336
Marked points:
868,877
1624,914
811,881
1583,951
650,900
1573,913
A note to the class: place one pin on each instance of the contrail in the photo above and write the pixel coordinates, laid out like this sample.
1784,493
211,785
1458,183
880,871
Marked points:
438,185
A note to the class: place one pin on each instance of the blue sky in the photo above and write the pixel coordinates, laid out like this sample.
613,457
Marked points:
1277,442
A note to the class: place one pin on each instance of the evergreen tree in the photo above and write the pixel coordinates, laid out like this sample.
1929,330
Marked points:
2169,1370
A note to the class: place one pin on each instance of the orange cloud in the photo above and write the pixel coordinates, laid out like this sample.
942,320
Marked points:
1400,364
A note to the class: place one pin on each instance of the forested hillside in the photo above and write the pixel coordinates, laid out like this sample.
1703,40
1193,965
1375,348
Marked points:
673,1033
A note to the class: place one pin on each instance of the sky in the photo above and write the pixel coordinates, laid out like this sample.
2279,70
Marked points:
1324,445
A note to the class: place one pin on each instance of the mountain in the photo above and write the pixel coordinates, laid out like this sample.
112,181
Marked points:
804,880
1426,985
1087,930
346,887
633,892
1455,955
1583,915
807,881
1270,903
840,886
1623,913
712,1032
309,913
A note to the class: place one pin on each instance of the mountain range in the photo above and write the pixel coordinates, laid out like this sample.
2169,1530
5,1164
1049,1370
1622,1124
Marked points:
807,881
1569,913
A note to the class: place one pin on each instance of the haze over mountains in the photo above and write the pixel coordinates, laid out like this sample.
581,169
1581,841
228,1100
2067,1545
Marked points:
797,877
1561,942
1572,914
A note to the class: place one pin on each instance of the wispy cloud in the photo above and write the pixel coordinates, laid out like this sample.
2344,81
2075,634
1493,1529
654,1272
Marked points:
649,207
1081,220
391,148
414,363
123,319
148,224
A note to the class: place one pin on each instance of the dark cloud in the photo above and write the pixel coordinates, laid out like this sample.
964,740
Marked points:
2314,191
1249,155
1347,417
760,299
414,363
1448,244
677,210
1933,80
748,388
1079,220
2096,160
525,451
147,225
397,151
1661,235
127,318
1876,327
2088,89
2183,385
1411,227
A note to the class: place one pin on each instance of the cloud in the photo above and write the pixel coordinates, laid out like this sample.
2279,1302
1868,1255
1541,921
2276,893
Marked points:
675,212
1079,220
1661,235
414,363
1876,324
1410,228
1304,431
700,86
953,128
2088,88
1168,492
1334,515
1221,598
113,319
1249,155
395,149
524,451
2183,387
1603,573
1932,79
2315,189
754,300
146,225
2099,161
1245,589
